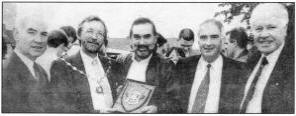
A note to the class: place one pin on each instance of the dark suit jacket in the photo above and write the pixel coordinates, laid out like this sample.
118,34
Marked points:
233,80
20,91
278,96
158,73
70,89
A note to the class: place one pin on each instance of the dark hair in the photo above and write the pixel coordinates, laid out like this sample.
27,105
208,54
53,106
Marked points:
56,38
161,40
70,31
90,19
179,51
143,20
239,35
186,34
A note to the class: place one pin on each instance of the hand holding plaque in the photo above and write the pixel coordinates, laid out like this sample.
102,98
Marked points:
134,96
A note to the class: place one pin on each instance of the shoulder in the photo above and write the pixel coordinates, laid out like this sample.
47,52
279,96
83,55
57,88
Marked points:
230,63
188,60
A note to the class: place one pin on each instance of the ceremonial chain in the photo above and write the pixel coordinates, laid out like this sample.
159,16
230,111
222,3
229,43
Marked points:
81,72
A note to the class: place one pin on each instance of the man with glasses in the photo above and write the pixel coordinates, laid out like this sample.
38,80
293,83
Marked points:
86,82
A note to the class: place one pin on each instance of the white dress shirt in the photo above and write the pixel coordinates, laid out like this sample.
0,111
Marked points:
95,73
212,102
137,70
28,62
254,105
45,61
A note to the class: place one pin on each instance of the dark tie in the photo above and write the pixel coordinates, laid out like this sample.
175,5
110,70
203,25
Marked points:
40,74
37,96
202,93
253,85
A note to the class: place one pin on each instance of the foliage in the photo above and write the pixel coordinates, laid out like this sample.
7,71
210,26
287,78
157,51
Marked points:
245,9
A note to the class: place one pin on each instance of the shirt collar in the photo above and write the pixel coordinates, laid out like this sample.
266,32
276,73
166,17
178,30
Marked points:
272,57
215,63
24,58
87,58
142,61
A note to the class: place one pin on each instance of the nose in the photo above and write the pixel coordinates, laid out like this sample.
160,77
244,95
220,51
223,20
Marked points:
40,39
264,33
142,41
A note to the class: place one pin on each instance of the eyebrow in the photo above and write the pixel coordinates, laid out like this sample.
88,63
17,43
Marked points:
31,29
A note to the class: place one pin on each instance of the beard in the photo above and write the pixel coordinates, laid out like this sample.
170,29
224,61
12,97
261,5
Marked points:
143,51
92,46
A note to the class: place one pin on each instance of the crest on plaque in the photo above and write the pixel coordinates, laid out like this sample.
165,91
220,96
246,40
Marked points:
133,96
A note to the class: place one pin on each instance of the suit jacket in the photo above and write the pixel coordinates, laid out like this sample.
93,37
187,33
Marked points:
71,90
278,96
233,80
159,71
20,90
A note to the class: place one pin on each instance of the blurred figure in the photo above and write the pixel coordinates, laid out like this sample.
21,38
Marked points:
57,45
174,54
162,46
236,44
186,40
71,35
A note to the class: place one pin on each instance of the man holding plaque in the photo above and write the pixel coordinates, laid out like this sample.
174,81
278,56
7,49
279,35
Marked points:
210,82
86,82
147,69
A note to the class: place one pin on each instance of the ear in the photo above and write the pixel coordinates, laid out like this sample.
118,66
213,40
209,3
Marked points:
15,34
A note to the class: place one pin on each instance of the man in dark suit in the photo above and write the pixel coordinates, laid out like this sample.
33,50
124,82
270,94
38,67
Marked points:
270,87
210,82
86,82
24,82
145,65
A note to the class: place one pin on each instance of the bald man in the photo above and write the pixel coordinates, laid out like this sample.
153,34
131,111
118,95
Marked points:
270,87
24,82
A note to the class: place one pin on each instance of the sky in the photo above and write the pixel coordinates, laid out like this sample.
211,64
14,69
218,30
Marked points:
169,18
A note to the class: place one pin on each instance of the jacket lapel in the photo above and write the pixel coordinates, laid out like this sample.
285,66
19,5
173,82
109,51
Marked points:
151,72
77,62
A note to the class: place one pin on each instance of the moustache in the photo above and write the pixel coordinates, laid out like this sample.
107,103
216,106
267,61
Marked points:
146,46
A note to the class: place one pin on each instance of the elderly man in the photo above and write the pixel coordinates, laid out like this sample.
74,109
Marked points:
24,81
86,82
270,87
210,82
146,66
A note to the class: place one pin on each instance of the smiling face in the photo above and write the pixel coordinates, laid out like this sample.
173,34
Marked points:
31,37
143,40
209,41
92,36
269,28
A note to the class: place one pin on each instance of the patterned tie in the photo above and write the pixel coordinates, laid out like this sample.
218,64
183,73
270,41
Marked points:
202,93
253,85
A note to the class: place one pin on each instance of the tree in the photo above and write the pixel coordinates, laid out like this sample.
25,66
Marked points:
245,9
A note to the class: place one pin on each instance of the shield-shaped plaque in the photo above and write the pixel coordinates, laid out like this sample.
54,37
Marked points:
134,96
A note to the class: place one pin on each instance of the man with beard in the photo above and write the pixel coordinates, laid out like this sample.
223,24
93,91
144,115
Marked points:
86,82
145,65
210,82
270,87
24,81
